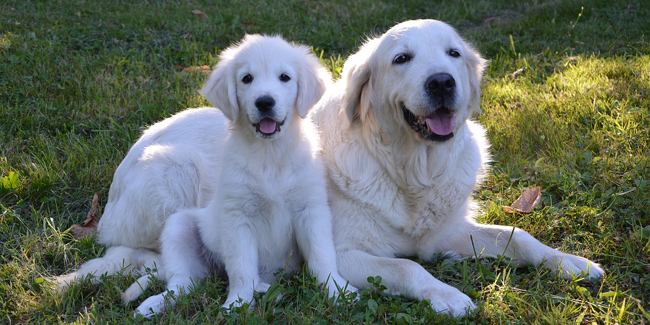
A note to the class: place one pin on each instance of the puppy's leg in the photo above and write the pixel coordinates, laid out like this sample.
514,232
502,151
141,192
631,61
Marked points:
183,262
137,288
152,264
492,240
116,258
402,276
240,258
313,229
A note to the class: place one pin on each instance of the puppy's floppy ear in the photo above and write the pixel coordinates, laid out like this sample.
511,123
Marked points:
475,65
356,73
313,80
221,88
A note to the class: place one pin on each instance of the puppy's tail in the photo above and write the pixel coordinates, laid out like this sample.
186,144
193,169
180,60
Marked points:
116,259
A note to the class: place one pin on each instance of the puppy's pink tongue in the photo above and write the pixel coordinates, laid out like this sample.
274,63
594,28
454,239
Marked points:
441,122
267,125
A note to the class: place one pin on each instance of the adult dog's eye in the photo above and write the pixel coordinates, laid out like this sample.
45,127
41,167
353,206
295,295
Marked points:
402,58
453,53
284,77
247,79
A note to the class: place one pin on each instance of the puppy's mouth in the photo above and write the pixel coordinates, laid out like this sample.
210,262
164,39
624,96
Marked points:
268,127
437,126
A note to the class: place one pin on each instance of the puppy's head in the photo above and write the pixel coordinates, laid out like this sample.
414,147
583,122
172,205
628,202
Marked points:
263,82
419,76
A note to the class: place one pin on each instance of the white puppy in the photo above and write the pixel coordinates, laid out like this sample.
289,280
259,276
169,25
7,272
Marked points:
176,163
269,207
403,158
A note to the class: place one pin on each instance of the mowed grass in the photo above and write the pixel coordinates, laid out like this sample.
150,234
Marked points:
565,101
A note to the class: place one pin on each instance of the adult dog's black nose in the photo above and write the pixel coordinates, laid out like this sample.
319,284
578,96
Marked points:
440,85
264,103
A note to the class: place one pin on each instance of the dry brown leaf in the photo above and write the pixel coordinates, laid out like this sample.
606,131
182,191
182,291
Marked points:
197,69
526,202
199,14
513,76
89,225
489,19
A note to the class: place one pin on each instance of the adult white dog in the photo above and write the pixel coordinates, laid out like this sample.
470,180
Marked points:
269,208
272,191
403,158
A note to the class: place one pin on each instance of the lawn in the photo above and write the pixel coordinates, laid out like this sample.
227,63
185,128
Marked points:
566,101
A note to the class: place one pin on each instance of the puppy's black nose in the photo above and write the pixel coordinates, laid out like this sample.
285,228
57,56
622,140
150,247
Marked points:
264,103
440,84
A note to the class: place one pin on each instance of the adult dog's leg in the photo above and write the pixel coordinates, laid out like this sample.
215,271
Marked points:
471,238
402,276
314,237
183,262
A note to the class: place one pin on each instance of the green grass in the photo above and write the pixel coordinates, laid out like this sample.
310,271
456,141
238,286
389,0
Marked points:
565,101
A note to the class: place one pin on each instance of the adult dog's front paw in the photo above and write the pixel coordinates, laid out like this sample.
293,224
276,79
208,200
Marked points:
571,265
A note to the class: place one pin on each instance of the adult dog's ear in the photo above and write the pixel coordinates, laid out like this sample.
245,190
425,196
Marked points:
221,88
475,65
313,80
356,73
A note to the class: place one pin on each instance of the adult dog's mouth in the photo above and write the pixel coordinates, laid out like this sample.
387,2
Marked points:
268,127
437,126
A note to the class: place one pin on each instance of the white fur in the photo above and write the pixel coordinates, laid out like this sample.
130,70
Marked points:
393,193
160,175
269,206
176,164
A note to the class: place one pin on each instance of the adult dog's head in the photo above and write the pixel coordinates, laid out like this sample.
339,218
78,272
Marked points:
263,83
420,78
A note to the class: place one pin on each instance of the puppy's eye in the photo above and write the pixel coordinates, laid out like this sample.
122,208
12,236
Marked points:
402,58
284,77
453,53
247,79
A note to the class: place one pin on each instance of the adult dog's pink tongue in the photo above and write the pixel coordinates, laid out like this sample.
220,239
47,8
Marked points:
267,125
441,122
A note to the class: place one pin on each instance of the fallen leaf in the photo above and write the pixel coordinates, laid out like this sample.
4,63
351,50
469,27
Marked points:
196,69
199,14
89,226
516,73
526,202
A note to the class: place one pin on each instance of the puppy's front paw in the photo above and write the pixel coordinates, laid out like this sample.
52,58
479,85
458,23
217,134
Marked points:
239,298
63,282
151,306
262,287
449,300
338,287
343,292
